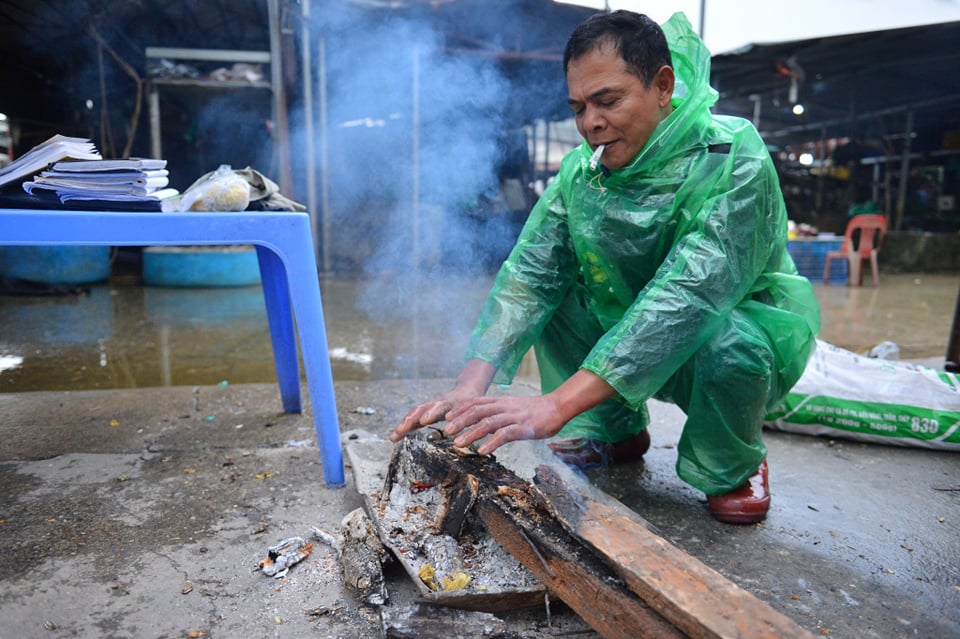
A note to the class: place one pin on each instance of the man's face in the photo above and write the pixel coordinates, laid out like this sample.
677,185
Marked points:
613,107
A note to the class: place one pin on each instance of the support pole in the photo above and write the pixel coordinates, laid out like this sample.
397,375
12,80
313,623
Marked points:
415,157
326,225
281,125
309,142
953,346
904,171
153,98
703,19
416,209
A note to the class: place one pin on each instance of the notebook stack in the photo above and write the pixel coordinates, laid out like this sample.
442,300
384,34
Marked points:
130,180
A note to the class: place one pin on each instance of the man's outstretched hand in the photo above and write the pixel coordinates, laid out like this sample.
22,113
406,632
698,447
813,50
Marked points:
425,414
472,383
505,419
471,416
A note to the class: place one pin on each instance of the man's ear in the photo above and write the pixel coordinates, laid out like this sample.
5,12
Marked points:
663,84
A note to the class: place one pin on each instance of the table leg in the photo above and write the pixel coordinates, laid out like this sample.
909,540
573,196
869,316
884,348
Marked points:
276,295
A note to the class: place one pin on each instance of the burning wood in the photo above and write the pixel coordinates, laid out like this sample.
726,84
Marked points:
363,556
424,514
459,493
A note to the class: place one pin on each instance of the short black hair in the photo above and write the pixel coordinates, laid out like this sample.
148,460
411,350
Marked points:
635,36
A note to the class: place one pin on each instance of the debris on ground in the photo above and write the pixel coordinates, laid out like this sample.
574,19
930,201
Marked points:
362,556
281,557
424,621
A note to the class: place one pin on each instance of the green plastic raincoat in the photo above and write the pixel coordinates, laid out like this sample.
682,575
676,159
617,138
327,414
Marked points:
668,278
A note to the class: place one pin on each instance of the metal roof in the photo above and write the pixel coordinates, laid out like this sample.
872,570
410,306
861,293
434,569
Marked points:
859,85
50,49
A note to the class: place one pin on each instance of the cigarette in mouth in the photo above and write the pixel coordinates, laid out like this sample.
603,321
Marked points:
595,158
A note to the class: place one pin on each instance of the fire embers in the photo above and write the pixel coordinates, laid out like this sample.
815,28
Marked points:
444,569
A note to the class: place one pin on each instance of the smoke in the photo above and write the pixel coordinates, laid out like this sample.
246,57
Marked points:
416,136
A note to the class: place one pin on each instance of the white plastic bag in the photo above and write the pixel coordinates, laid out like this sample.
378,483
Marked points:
222,190
842,394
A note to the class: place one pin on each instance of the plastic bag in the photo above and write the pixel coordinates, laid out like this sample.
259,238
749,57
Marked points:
222,190
842,394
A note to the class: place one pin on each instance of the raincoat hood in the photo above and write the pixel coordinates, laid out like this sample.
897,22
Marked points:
692,99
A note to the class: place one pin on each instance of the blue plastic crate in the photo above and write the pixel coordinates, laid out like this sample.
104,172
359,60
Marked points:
810,256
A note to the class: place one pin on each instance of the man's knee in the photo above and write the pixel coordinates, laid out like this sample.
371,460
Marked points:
738,356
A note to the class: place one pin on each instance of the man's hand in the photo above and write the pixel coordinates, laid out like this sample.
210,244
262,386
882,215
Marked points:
472,383
505,419
508,419
430,412
471,416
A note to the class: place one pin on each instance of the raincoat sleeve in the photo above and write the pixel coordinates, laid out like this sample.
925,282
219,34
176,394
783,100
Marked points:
733,222
529,287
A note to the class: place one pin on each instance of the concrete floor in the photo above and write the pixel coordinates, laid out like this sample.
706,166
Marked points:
139,493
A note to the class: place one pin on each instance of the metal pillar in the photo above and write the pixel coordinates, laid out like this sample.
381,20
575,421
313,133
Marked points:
953,346
904,171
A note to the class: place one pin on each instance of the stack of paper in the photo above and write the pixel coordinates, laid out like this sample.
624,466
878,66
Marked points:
59,147
124,180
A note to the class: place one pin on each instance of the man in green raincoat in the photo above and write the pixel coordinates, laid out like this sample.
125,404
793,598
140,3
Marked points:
654,265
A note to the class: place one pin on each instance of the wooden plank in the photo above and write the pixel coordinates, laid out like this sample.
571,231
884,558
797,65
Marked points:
459,495
590,589
692,596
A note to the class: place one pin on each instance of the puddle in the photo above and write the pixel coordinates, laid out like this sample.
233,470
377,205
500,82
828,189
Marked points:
382,328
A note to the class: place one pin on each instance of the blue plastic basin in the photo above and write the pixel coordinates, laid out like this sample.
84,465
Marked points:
201,266
56,264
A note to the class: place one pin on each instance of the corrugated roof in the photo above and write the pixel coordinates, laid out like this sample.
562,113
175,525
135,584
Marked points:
858,85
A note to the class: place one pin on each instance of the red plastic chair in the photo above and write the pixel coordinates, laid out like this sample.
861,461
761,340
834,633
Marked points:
861,242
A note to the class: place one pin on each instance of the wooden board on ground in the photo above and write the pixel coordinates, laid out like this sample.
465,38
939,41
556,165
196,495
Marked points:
410,508
692,596
424,621
601,558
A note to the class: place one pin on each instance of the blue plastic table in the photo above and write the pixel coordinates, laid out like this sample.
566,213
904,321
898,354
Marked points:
288,272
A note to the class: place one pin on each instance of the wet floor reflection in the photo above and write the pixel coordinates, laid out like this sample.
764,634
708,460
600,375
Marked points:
915,311
383,328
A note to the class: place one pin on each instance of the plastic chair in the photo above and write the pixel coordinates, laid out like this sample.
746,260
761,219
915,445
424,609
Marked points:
861,242
288,273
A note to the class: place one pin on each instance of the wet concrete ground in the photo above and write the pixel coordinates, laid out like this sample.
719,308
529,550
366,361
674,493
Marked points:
138,492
